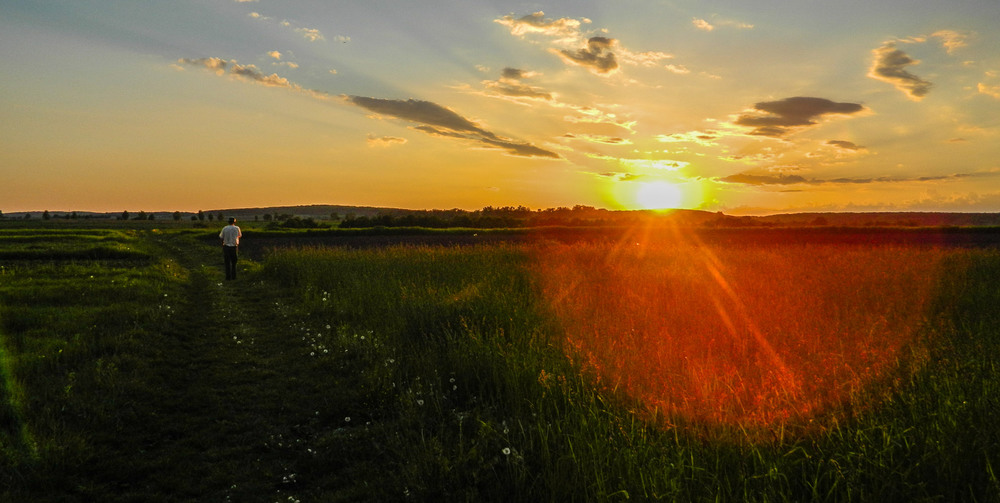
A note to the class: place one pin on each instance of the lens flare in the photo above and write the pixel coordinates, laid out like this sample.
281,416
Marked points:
746,336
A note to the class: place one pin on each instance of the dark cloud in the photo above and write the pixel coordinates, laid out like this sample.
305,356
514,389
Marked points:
623,177
513,73
774,118
847,145
596,56
889,65
606,140
440,121
750,179
767,179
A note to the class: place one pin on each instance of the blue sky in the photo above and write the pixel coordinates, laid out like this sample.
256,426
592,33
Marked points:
763,107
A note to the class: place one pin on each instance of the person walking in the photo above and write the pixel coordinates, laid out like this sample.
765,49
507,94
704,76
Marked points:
230,236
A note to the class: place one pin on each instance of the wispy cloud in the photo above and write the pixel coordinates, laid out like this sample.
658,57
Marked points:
429,117
510,84
437,120
384,141
783,179
706,25
990,86
951,40
601,139
846,145
889,65
779,118
248,73
310,34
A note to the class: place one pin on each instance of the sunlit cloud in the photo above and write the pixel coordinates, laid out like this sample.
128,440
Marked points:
310,34
537,23
244,72
437,120
703,138
275,54
951,40
889,65
990,88
701,24
384,141
779,118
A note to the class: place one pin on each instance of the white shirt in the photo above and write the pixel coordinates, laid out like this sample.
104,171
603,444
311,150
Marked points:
231,235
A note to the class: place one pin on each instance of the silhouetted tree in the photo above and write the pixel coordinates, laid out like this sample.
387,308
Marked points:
124,215
201,215
177,216
45,215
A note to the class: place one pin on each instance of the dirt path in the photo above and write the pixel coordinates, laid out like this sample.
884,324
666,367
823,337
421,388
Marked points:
231,411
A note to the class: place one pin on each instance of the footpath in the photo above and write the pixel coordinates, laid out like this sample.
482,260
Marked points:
232,411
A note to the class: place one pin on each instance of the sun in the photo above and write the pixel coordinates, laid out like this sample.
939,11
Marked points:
658,196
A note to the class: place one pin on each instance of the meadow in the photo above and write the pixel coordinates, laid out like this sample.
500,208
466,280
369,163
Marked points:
642,364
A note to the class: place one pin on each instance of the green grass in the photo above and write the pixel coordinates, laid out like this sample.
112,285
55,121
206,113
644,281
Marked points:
427,374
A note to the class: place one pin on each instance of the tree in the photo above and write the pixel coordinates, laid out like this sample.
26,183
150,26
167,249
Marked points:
45,215
124,215
201,215
211,217
177,216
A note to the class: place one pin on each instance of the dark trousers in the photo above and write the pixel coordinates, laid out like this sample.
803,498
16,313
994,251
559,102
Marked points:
229,258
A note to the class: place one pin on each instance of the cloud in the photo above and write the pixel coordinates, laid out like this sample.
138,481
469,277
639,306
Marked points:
889,65
781,179
776,118
599,54
384,141
703,138
244,72
437,120
595,56
847,145
537,23
218,65
275,54
509,84
310,34
751,179
701,24
951,40
593,138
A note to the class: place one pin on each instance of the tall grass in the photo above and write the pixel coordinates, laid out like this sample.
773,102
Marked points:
599,372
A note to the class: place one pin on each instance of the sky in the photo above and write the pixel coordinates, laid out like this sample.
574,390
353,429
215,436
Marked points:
760,107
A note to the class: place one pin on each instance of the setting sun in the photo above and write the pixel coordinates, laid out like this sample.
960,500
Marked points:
658,196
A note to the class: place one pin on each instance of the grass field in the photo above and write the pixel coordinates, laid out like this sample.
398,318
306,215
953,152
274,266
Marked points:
636,366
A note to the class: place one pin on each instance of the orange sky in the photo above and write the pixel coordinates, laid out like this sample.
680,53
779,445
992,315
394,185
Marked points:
773,107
